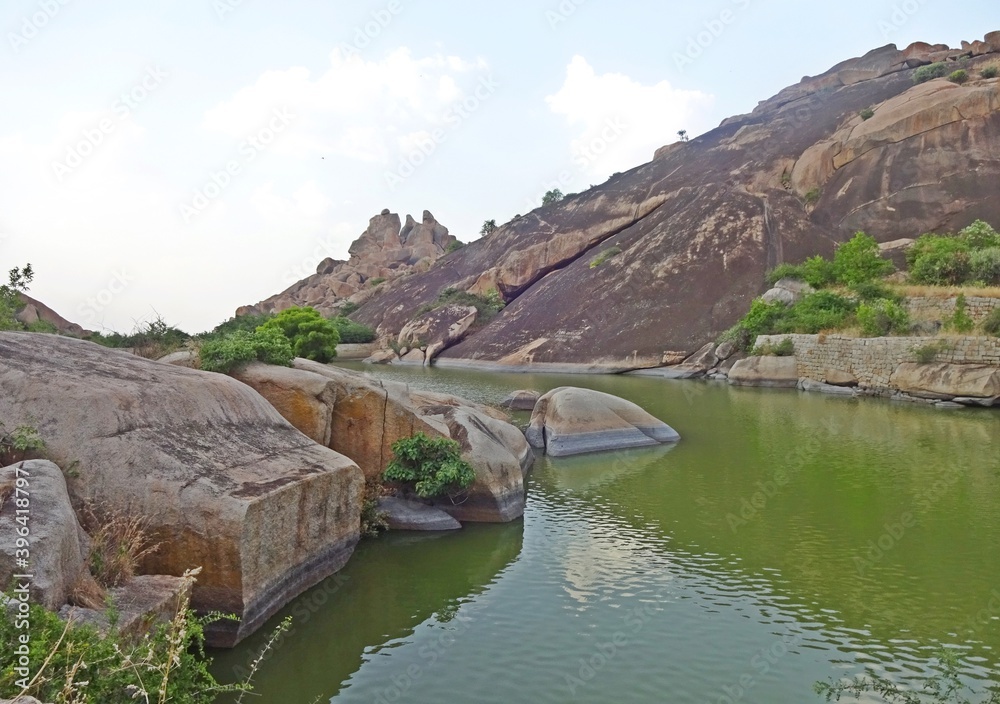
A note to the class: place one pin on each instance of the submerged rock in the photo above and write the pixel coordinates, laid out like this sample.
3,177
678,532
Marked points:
223,481
571,421
522,400
401,514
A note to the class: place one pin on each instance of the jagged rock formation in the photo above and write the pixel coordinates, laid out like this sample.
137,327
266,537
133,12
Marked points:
685,240
385,250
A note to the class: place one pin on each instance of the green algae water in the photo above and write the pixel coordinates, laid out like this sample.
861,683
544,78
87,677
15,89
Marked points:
788,538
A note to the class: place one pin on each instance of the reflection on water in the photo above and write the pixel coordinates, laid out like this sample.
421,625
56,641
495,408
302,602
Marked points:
787,538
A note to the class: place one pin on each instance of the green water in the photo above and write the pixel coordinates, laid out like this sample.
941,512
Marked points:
787,538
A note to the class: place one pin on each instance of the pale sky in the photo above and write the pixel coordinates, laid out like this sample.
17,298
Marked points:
191,156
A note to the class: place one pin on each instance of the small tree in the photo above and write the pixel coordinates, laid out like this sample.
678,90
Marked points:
553,196
859,260
683,135
312,336
10,299
488,228
431,466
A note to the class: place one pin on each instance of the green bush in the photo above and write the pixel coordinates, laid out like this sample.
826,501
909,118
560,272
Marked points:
867,114
228,352
377,281
989,72
454,247
984,266
349,308
874,290
991,324
152,340
859,260
10,296
960,320
939,261
815,271
785,348
882,317
430,466
246,323
18,444
605,256
352,333
79,664
812,196
960,76
814,313
487,305
312,336
927,73
980,235
926,354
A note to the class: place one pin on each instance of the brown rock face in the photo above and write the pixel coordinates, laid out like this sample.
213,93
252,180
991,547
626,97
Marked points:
362,417
946,381
223,480
385,250
700,225
776,372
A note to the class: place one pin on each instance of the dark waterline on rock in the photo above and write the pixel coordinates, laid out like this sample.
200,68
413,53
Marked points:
790,537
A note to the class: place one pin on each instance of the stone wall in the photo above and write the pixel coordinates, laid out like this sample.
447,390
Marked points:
873,360
930,308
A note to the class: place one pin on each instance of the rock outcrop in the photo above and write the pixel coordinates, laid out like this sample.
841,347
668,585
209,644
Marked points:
571,421
383,252
362,417
775,372
35,311
946,381
522,400
401,514
224,482
698,227
141,604
58,544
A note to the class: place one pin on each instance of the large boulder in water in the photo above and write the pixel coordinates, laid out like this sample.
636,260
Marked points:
946,381
223,481
58,544
362,417
572,421
769,371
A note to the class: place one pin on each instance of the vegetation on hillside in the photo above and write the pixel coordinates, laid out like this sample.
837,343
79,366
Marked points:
431,467
10,296
487,305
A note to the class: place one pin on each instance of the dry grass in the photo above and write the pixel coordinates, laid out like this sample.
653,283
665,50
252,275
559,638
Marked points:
87,593
944,292
119,542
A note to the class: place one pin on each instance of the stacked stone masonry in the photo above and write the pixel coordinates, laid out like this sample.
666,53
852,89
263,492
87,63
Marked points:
873,360
929,308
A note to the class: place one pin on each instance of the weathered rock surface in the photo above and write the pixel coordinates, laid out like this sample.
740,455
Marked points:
142,603
223,480
402,514
787,291
838,377
522,400
437,330
571,421
946,381
386,250
820,387
35,310
59,545
700,225
362,417
769,371
181,358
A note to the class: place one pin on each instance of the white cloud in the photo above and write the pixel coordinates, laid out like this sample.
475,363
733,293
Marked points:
620,121
355,108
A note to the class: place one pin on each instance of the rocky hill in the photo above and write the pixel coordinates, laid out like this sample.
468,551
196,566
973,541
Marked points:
643,270
383,252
